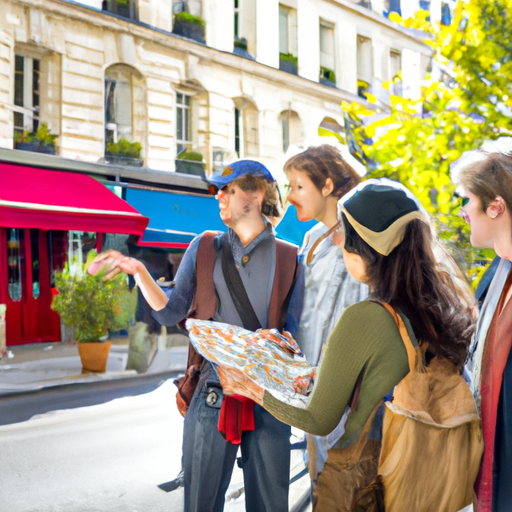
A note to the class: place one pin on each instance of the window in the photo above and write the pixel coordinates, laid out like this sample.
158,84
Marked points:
183,115
16,262
395,66
26,94
364,65
237,19
125,104
291,126
287,39
246,117
327,62
446,14
124,8
392,6
238,132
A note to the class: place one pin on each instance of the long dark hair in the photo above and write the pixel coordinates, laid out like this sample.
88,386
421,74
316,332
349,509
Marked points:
409,279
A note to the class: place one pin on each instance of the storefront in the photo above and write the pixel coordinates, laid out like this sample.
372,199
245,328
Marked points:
38,209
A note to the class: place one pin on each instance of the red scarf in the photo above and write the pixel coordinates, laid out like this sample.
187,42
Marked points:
236,415
496,351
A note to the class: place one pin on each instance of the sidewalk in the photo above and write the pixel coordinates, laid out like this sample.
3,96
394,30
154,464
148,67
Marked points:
42,365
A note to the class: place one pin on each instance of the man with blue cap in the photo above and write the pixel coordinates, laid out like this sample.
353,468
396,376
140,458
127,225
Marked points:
242,277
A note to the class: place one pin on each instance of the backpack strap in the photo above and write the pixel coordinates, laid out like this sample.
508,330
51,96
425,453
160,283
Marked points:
411,350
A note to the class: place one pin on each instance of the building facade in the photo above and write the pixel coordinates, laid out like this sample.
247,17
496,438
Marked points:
266,76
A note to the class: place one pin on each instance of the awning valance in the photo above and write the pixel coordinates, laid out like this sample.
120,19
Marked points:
175,219
46,199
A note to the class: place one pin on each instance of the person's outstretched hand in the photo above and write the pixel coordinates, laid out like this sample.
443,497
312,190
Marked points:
234,382
114,262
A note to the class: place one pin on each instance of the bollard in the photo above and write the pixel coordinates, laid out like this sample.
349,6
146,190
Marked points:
3,349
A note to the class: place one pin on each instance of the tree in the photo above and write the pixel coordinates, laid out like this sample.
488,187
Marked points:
468,103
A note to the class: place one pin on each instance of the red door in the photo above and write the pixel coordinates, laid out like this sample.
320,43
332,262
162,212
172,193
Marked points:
25,286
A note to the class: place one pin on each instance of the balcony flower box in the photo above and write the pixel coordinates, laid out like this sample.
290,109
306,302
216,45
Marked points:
288,63
187,25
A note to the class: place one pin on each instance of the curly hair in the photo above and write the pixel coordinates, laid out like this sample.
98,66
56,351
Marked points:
322,162
410,280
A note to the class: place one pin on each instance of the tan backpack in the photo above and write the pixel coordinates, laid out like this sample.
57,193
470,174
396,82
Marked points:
431,441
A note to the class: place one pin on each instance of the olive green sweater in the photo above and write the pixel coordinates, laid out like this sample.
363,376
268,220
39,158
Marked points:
365,339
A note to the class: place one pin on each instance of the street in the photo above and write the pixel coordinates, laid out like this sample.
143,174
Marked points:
105,457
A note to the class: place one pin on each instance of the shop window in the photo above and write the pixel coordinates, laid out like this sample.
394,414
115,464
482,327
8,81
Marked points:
16,263
395,67
124,8
26,94
288,39
57,243
364,66
36,265
183,121
327,58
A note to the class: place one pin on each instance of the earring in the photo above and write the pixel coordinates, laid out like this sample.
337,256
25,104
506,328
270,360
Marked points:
493,214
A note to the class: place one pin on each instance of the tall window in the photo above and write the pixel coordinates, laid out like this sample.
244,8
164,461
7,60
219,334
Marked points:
395,66
287,39
364,65
16,262
327,61
393,6
446,14
183,131
118,108
239,132
237,19
26,94
125,8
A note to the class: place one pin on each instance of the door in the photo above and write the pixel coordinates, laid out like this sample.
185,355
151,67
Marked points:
25,286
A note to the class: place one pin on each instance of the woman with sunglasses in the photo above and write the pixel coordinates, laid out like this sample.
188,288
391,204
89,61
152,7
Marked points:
486,184
387,245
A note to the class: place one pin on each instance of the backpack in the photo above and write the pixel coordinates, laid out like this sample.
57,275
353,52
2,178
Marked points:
432,441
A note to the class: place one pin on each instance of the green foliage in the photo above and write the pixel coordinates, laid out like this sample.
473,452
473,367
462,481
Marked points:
328,74
288,57
91,305
124,148
240,43
417,141
188,18
42,135
192,156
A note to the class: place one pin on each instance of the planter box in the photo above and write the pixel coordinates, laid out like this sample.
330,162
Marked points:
326,81
288,66
191,30
190,167
123,160
36,147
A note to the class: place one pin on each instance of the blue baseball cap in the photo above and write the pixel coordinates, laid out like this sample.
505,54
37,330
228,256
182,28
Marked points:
237,170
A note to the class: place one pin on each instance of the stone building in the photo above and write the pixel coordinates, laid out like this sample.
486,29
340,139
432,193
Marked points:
268,74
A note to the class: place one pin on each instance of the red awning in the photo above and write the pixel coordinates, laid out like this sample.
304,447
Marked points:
43,199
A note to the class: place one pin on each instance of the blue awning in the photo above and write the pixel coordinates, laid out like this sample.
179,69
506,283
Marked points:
290,228
174,219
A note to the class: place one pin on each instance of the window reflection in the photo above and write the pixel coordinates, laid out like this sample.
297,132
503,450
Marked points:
16,263
34,249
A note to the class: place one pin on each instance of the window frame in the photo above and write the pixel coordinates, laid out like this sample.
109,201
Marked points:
184,108
30,113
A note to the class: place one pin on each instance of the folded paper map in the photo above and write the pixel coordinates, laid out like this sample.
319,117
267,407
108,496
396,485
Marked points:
271,359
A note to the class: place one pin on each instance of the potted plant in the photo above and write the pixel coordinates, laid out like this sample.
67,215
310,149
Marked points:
327,77
124,152
93,307
288,63
240,48
188,25
190,162
42,141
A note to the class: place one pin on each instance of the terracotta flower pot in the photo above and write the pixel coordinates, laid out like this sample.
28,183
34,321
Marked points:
94,356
